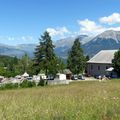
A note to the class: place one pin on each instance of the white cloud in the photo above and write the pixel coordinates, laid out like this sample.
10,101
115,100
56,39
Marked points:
13,40
112,19
60,31
90,27
25,38
114,28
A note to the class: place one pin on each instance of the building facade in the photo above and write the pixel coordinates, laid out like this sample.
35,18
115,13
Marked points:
100,63
96,69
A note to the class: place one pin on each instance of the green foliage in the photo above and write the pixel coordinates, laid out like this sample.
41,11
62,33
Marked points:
44,54
116,61
9,86
76,60
12,66
23,64
56,65
45,60
42,82
60,65
7,73
7,66
26,84
5,61
87,57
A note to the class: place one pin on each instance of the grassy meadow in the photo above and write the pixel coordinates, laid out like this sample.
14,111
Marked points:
83,100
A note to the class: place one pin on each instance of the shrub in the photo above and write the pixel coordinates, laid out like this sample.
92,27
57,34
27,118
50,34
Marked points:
9,86
24,84
42,82
27,83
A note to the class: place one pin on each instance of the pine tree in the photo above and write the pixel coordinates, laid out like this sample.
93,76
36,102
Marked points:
44,53
116,61
76,60
87,58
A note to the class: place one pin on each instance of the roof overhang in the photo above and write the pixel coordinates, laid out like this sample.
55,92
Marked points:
99,63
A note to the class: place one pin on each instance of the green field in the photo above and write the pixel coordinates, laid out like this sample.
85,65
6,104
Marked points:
78,101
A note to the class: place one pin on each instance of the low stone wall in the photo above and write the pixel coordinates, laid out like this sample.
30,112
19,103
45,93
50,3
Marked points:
57,82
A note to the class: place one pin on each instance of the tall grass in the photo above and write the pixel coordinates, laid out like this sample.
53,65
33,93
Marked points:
77,101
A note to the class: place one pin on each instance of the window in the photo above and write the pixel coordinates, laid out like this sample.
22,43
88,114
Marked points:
98,67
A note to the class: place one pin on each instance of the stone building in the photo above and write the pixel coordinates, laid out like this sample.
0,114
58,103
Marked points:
99,64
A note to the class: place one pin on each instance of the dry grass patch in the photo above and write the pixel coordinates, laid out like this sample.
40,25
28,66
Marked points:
78,101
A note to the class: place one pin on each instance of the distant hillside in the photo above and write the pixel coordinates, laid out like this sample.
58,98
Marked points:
11,51
27,48
64,45
18,50
91,45
61,47
107,40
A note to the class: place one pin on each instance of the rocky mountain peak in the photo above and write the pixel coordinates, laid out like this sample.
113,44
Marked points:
109,34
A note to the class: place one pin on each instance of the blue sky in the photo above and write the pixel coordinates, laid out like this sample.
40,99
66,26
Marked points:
23,21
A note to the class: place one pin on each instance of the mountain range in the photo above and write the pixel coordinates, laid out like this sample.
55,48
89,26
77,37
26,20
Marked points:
91,45
107,40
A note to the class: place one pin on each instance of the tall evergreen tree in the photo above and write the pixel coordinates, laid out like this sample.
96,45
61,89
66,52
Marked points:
76,60
116,61
87,57
44,53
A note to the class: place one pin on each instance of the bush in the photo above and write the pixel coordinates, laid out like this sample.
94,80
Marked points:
9,86
24,84
42,82
27,83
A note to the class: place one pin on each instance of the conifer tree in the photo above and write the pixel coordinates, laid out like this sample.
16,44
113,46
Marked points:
116,61
76,60
44,53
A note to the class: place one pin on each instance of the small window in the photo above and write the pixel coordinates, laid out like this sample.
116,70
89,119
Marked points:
98,67
91,67
106,67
